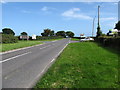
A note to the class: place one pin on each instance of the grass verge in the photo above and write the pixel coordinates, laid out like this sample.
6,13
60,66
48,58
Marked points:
82,65
20,44
75,39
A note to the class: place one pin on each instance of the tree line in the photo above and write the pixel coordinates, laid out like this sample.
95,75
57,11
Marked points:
45,33
8,35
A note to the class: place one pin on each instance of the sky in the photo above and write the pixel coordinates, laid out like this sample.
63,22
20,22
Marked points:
34,17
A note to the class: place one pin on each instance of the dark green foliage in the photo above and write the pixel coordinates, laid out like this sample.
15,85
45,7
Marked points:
52,33
70,34
8,31
24,33
99,32
9,39
47,32
46,38
61,33
109,41
117,25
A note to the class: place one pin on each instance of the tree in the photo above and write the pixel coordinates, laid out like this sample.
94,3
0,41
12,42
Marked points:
61,33
99,32
24,33
46,32
8,31
52,33
70,34
117,26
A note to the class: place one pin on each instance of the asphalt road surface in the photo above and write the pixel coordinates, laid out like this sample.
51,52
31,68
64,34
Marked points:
22,68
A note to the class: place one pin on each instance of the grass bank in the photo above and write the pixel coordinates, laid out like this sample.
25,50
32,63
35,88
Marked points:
82,65
75,39
20,44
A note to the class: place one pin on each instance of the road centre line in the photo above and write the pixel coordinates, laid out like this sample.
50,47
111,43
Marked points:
45,47
49,64
15,57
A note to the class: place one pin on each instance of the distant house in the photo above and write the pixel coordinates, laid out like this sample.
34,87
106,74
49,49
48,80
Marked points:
82,36
24,37
33,37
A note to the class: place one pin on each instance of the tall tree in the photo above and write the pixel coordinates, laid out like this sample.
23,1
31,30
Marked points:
70,34
8,31
99,32
46,32
52,33
24,33
61,33
117,26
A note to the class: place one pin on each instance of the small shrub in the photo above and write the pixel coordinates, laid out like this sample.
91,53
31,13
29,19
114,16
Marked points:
9,38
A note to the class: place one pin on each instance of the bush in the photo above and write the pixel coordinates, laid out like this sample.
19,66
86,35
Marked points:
46,38
109,41
9,39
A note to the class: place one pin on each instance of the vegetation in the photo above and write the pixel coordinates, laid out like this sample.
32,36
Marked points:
78,67
109,41
117,25
8,31
61,33
69,34
99,32
75,39
9,38
48,38
47,32
20,44
24,33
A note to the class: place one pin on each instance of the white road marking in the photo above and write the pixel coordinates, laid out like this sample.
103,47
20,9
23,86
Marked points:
45,47
48,65
20,49
14,57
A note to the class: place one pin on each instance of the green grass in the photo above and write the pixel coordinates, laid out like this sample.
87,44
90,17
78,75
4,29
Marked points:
75,39
82,65
52,39
20,44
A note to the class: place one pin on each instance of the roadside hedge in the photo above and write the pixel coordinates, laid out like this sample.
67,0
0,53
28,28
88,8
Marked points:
46,38
9,38
113,42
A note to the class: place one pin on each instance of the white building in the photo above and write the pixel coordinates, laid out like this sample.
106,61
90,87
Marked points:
34,37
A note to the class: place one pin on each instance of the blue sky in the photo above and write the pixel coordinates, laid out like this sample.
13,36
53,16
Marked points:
33,17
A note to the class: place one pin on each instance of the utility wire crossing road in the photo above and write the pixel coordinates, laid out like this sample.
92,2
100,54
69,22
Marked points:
22,68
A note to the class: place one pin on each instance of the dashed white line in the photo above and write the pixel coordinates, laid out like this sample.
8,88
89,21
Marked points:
48,64
45,47
14,57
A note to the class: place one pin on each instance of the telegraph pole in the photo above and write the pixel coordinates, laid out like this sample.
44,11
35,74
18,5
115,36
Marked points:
98,15
93,26
98,28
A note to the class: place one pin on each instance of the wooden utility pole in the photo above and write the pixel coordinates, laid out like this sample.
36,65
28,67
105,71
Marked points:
98,15
93,26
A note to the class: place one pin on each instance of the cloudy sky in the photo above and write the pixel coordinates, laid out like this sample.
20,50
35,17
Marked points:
33,17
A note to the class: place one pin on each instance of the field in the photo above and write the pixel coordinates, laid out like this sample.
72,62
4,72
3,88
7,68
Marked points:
83,65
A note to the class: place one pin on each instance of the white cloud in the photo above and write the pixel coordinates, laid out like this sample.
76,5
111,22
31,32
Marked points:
108,19
44,8
3,2
73,13
25,11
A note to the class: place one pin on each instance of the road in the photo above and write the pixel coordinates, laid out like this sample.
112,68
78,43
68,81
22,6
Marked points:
22,68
